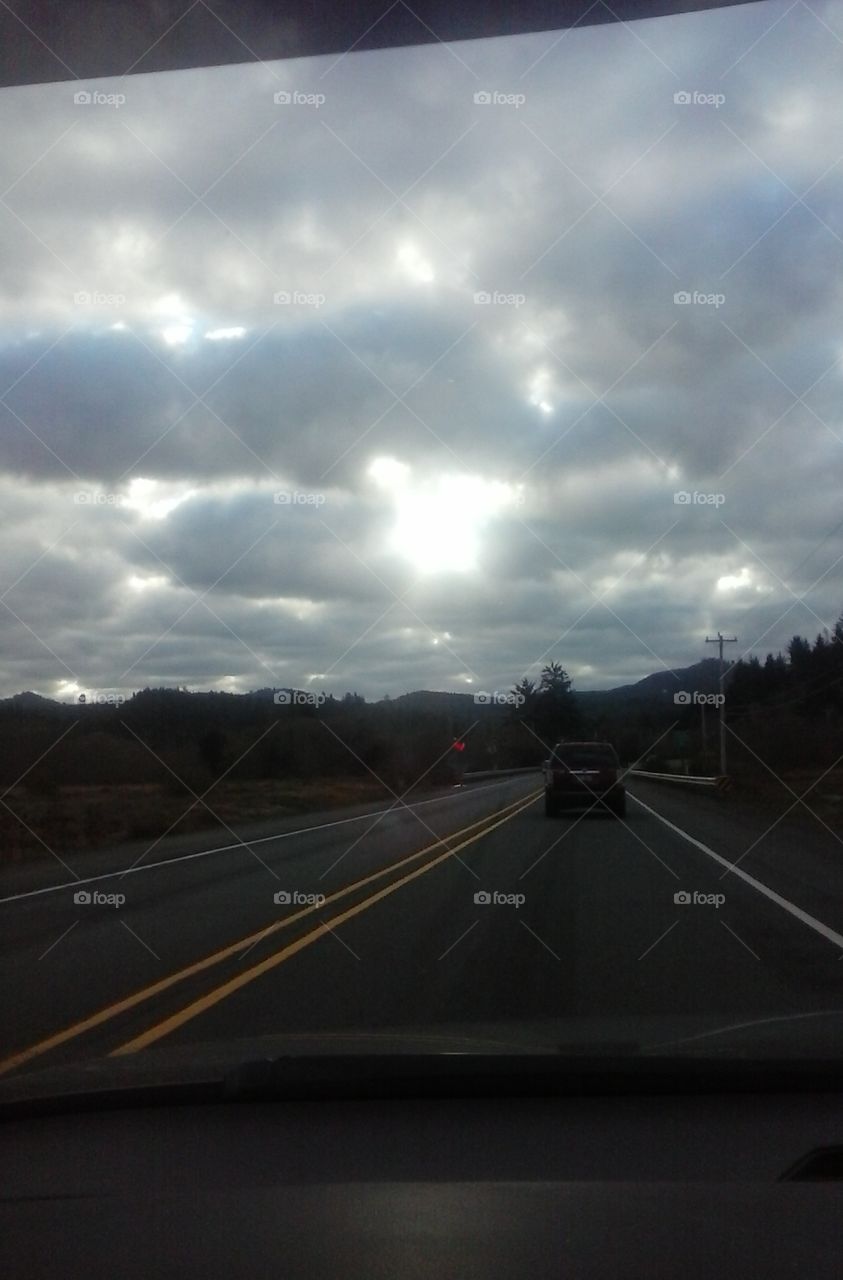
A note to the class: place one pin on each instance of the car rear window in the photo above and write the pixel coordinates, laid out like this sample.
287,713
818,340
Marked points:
584,757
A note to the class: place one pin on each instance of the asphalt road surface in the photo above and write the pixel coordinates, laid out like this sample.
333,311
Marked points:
470,909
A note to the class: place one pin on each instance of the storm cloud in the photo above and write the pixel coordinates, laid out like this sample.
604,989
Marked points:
420,368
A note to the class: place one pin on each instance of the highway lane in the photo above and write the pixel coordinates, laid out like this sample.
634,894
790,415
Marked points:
587,927
598,935
789,848
28,877
61,961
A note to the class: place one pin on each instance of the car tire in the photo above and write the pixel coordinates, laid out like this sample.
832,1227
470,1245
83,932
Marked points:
551,809
619,807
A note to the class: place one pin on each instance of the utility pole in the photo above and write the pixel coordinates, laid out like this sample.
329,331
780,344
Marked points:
720,640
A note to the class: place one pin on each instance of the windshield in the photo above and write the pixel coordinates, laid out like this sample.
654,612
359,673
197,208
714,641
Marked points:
370,424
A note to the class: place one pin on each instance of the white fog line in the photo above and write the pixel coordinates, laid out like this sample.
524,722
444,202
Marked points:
817,925
226,848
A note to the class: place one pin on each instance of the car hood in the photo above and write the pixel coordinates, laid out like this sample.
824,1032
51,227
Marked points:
814,1036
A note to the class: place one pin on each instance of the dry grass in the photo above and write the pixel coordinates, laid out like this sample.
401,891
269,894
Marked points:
823,792
71,818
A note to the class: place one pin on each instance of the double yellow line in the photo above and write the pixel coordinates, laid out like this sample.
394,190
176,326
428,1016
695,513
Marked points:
466,836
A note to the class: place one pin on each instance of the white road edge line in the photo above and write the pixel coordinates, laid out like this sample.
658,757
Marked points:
817,925
226,848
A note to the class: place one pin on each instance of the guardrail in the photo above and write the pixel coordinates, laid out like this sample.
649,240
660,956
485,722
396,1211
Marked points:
499,773
694,780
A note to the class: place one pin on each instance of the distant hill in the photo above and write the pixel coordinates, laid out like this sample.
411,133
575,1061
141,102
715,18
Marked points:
434,699
702,676
29,701
657,688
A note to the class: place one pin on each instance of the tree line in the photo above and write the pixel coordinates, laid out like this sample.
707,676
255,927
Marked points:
787,709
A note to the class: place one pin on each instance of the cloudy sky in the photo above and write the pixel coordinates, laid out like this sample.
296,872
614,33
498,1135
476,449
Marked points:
380,372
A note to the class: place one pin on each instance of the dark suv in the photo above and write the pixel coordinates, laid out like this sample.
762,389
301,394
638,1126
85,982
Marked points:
580,774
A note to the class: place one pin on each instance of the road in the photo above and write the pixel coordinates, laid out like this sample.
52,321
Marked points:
585,925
